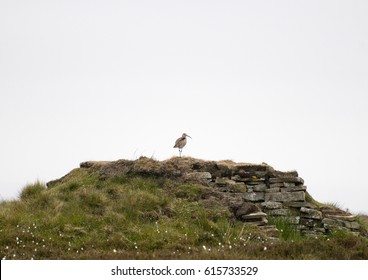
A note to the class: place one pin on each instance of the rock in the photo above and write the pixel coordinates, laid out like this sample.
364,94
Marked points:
285,196
311,213
279,181
287,174
237,187
277,185
258,222
273,190
258,218
243,168
350,218
250,174
223,182
259,188
230,185
198,176
352,225
288,185
237,178
296,180
299,204
254,216
256,181
278,212
271,205
311,223
245,209
331,223
294,189
254,196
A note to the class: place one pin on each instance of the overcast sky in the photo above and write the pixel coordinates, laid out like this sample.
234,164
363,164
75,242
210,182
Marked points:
282,82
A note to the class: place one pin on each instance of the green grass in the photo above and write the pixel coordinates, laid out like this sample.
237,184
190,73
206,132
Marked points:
84,216
287,230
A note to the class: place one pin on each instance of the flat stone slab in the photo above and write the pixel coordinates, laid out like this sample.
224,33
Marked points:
254,196
273,190
246,208
238,187
277,185
278,212
261,222
311,213
198,176
270,205
254,216
299,204
223,182
296,180
294,189
285,196
350,218
310,223
331,223
259,188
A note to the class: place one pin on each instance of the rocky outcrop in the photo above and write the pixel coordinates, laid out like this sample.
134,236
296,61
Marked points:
253,192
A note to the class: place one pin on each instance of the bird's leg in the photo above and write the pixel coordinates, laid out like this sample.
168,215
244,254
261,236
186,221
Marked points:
180,150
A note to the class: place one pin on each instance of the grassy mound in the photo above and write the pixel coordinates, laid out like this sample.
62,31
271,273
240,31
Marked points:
86,215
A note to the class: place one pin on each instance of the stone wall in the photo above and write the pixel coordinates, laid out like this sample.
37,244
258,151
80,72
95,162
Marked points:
281,194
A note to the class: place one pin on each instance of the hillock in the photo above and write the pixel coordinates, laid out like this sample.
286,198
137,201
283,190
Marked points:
180,208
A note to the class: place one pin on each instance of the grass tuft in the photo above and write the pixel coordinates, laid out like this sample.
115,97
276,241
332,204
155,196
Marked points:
32,190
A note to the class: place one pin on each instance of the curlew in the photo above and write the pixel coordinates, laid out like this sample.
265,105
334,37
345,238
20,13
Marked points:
180,142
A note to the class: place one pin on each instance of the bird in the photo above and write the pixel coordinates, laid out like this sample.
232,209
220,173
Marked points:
181,142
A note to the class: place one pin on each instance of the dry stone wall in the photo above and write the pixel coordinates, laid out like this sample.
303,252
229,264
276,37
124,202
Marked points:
280,194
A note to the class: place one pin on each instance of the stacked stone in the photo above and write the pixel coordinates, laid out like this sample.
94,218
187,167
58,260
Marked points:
282,194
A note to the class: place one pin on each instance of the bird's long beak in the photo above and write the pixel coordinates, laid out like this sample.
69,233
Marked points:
189,136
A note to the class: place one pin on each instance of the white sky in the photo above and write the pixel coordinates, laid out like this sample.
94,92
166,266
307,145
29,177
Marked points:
282,82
